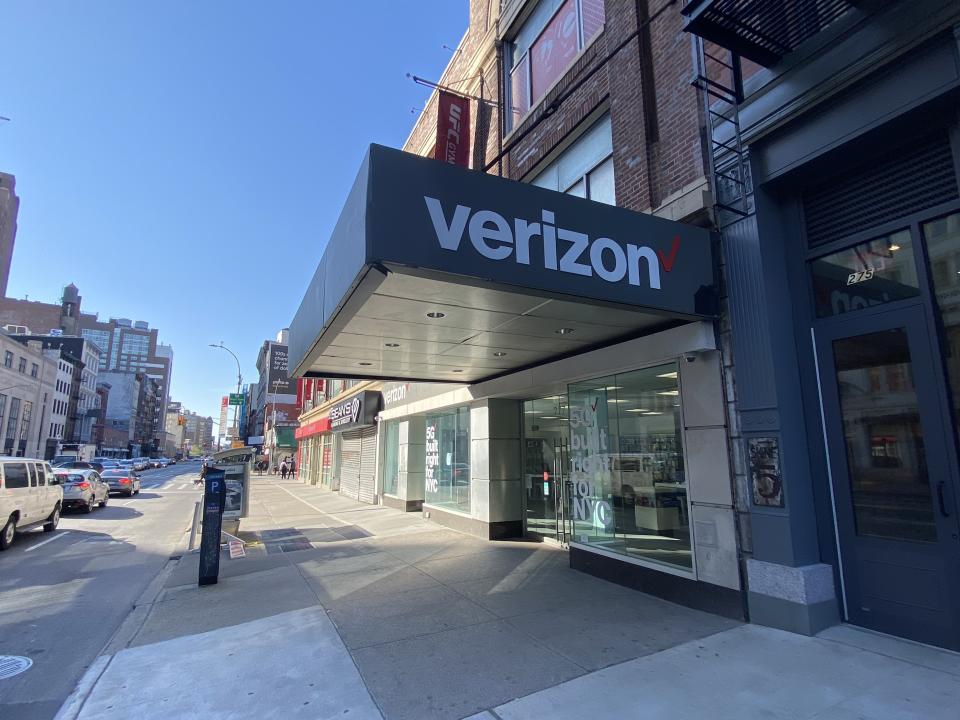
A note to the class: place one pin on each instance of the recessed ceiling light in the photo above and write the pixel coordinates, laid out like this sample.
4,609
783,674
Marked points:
653,413
499,354
564,331
436,315
391,344
617,401
669,392
614,387
643,410
894,247
457,370
364,364
550,417
671,375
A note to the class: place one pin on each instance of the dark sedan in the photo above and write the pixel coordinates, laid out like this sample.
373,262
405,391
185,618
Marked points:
122,481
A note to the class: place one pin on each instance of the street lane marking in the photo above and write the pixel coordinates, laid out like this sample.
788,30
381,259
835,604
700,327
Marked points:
44,542
126,503
183,486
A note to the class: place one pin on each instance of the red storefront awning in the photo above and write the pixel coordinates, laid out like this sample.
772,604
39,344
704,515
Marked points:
314,428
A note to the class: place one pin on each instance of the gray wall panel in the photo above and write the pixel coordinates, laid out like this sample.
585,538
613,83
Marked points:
748,311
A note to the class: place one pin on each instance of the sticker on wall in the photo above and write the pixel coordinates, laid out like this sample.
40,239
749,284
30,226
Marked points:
765,475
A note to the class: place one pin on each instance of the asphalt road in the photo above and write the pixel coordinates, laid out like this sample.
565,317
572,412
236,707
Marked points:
63,595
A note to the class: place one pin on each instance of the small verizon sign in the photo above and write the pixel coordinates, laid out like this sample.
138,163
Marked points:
453,129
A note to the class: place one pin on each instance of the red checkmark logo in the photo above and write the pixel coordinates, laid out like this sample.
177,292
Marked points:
667,262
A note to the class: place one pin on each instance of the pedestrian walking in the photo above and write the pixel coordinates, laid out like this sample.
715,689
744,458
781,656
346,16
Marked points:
203,475
283,470
293,468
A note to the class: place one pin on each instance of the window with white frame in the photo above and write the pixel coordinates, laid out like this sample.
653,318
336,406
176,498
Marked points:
542,50
584,169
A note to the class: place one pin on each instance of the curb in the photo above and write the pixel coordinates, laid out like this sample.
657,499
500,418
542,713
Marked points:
74,703
123,635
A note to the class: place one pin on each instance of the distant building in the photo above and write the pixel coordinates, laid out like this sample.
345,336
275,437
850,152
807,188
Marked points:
174,427
27,379
75,399
198,431
126,345
131,345
103,396
130,421
275,395
9,207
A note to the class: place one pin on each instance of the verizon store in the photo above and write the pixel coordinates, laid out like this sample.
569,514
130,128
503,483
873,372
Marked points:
549,369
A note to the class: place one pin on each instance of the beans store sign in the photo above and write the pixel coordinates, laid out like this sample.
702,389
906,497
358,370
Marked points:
355,412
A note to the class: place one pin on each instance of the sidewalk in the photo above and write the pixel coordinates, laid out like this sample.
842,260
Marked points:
347,610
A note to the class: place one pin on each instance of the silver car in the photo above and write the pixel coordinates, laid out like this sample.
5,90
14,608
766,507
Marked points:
83,488
122,481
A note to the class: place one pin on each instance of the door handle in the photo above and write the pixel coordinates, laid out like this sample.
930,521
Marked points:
943,504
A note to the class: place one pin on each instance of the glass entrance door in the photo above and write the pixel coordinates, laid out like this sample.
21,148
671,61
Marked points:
545,458
893,479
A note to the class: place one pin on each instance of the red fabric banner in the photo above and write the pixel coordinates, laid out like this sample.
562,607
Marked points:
453,129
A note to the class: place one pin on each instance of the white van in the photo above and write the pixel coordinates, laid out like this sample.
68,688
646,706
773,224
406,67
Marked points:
30,495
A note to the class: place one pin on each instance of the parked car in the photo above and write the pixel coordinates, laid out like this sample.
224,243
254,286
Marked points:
79,465
83,488
162,461
29,496
122,481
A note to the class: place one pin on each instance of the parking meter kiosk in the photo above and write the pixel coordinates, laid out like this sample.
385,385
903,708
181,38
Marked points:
236,464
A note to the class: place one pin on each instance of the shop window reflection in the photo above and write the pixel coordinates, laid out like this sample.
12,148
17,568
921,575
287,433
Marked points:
943,249
391,457
447,480
629,486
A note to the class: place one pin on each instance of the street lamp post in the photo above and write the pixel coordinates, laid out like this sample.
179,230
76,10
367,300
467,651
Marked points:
236,408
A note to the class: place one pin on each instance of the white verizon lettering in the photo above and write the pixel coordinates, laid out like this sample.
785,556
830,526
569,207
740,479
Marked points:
496,238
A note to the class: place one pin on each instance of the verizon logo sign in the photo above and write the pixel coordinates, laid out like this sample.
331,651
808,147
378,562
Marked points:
564,250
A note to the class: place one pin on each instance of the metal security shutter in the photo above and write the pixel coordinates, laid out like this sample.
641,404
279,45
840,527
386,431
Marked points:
905,180
368,465
350,448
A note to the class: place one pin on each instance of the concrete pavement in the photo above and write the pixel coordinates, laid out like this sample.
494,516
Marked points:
342,609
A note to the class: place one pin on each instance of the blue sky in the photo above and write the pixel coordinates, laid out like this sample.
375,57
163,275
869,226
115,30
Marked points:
184,162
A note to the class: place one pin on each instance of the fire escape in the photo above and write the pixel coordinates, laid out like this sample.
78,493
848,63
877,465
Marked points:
763,31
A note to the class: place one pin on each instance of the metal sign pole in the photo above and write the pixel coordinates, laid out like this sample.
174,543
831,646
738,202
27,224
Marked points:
214,499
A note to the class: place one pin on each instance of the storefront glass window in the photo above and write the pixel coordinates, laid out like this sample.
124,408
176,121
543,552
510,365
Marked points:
326,462
943,250
447,482
626,464
871,273
391,457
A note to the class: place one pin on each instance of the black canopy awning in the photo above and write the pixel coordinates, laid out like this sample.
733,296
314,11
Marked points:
434,272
